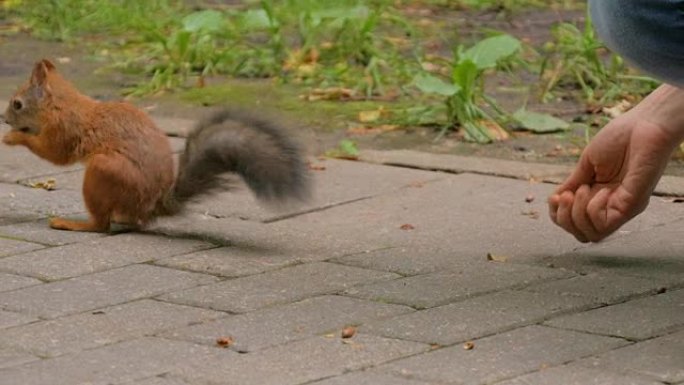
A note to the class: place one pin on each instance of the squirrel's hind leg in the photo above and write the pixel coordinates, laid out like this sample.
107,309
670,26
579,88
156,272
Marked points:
103,191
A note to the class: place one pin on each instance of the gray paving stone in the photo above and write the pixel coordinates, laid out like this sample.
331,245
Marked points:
653,253
459,164
102,327
281,324
636,320
502,356
177,144
40,232
282,286
18,163
668,185
300,362
329,189
120,363
475,317
12,282
98,290
10,246
370,378
165,380
10,358
273,238
97,255
601,288
461,223
175,126
430,290
406,260
578,375
9,319
229,261
21,204
69,180
660,358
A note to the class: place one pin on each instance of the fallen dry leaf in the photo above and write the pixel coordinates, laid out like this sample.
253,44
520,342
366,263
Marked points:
497,132
332,93
200,82
533,214
48,185
363,130
316,167
370,116
373,115
620,108
348,332
496,257
468,345
407,226
224,342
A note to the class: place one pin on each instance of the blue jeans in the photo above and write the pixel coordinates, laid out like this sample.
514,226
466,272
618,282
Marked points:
649,34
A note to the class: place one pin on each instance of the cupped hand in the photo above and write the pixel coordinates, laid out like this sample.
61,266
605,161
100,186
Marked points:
615,176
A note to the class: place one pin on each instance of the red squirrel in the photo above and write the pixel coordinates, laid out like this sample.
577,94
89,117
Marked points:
129,168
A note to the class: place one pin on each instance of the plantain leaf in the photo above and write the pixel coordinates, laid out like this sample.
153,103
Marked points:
488,52
539,123
208,20
434,85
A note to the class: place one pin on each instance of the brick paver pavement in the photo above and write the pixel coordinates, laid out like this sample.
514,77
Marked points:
401,254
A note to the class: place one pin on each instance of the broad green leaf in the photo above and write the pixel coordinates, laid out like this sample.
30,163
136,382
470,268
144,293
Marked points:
434,85
348,147
182,43
358,12
208,20
255,19
488,52
465,76
540,123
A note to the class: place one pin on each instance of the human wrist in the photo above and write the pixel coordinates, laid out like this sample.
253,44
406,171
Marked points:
664,107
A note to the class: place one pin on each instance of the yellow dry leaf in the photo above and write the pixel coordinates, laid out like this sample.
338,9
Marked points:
364,130
48,185
495,130
332,93
370,116
496,257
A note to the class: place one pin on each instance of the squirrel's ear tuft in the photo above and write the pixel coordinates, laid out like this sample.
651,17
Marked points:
48,64
40,71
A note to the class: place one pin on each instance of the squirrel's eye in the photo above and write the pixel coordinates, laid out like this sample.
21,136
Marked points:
17,104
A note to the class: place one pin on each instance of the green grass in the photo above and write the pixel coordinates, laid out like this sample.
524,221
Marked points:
370,49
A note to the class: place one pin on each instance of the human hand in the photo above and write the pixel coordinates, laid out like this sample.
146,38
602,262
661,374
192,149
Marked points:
618,170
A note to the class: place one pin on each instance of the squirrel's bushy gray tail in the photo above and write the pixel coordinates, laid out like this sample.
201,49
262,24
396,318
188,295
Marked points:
269,162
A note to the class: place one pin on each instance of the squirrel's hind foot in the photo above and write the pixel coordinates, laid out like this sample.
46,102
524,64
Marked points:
90,225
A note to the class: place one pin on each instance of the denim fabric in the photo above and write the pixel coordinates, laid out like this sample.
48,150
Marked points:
647,33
